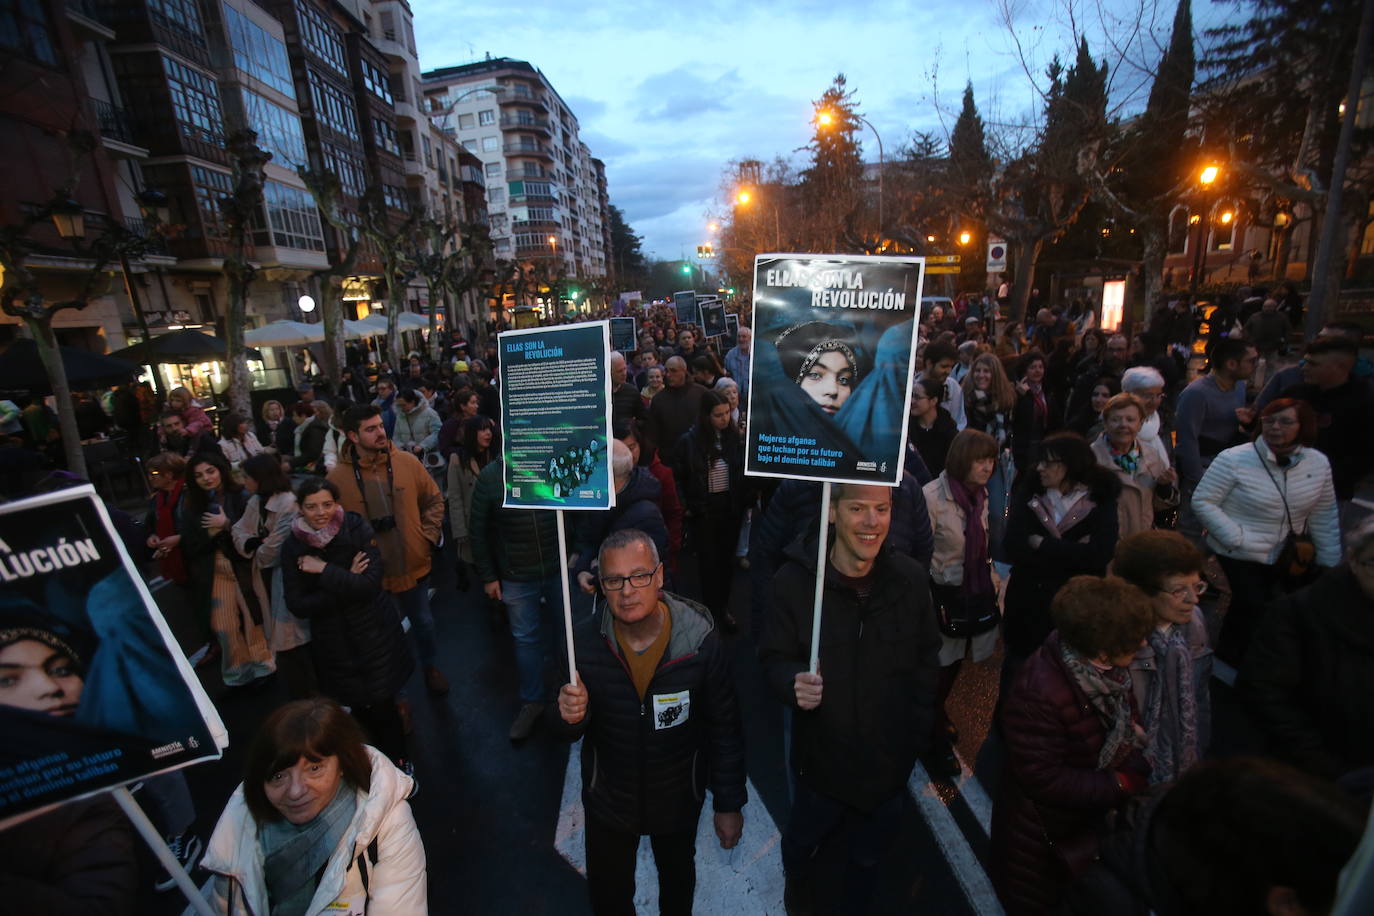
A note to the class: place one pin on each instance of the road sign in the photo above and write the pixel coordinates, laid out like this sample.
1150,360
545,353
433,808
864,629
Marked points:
940,259
943,269
997,255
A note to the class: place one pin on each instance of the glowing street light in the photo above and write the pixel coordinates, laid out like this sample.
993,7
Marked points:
1227,217
1208,175
965,238
712,227
306,303
825,119
743,197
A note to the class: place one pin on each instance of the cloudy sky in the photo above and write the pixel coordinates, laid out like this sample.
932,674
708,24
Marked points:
668,94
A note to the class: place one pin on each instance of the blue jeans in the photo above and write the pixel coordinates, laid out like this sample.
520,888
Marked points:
414,603
522,605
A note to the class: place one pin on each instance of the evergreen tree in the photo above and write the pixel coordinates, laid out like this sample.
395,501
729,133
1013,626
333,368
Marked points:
627,255
831,185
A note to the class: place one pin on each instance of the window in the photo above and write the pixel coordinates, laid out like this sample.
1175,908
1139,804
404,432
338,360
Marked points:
320,37
332,106
210,186
470,145
279,130
394,197
496,196
532,240
257,53
1178,231
348,166
384,135
292,218
541,188
1224,226
486,118
195,102
24,28
465,122
543,213
179,16
493,169
375,81
490,144
428,147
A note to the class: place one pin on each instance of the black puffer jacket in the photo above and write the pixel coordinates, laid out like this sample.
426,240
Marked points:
693,472
635,507
644,769
1083,549
519,545
1308,678
360,651
879,660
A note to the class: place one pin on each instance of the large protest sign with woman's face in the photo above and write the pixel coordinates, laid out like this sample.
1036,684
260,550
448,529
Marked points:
94,690
830,379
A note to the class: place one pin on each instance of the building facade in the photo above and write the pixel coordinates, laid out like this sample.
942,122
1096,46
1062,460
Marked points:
545,192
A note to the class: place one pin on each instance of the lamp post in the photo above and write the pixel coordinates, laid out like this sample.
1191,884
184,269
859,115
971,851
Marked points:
825,119
1207,177
744,197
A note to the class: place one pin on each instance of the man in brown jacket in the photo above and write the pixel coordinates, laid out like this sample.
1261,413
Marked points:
393,491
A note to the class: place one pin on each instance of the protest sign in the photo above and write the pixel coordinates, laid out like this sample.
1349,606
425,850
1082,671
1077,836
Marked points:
830,379
731,331
713,319
96,692
623,335
685,302
526,317
555,417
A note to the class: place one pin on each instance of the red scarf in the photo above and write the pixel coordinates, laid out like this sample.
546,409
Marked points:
977,571
171,566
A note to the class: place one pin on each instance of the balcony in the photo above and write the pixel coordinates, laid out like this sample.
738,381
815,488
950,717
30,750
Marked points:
406,111
535,225
524,121
117,131
388,44
517,200
89,21
535,251
412,165
528,149
517,96
519,173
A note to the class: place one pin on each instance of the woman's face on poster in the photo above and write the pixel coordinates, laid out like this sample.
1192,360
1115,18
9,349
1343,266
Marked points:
830,381
37,677
207,476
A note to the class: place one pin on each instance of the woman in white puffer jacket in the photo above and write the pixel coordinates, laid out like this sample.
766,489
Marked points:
319,827
1249,499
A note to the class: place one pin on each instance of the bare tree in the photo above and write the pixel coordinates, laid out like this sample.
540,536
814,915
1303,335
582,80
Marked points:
325,188
239,208
394,243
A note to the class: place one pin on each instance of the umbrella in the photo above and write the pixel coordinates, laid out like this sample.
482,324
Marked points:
285,333
375,324
353,330
21,369
185,346
410,321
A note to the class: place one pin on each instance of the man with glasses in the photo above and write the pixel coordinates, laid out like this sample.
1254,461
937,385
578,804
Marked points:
655,700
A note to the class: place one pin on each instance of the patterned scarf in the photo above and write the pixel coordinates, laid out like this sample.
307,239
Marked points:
295,856
1109,692
1129,461
319,539
1171,707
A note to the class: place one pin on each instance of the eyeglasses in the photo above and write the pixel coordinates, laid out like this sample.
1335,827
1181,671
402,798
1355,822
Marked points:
1183,592
638,580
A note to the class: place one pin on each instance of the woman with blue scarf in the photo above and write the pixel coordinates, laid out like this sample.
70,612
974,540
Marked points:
1148,483
319,826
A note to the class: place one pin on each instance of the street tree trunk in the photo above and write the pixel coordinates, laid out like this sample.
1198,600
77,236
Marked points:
240,380
331,318
1025,252
46,343
1154,239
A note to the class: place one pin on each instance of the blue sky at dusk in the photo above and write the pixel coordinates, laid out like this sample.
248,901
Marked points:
667,94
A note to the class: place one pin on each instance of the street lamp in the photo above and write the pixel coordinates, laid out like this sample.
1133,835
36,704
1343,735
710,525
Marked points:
824,119
965,238
306,304
744,197
69,219
1206,178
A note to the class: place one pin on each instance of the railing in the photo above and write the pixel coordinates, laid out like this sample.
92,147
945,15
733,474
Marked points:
527,149
113,122
509,121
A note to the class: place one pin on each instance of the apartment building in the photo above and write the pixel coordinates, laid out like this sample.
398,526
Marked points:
545,195
164,83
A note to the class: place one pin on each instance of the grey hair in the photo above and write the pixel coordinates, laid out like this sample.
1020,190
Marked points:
616,354
626,537
622,462
726,382
1359,538
1138,378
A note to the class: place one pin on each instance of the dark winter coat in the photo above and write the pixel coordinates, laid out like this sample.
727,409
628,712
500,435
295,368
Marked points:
198,549
1053,797
636,506
1308,678
360,651
1084,549
794,511
879,659
933,444
671,413
1027,429
1128,877
692,471
645,768
518,545
77,860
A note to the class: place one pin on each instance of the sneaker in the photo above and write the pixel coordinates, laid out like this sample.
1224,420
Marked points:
524,723
435,682
185,849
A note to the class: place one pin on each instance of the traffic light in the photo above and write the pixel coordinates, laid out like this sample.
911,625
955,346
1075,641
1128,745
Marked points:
686,268
705,252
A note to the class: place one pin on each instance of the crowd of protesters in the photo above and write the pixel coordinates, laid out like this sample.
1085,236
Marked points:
1069,497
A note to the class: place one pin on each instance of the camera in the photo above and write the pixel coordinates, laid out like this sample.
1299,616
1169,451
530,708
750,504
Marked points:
384,524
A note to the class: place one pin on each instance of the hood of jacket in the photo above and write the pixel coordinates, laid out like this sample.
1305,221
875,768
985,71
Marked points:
691,624
640,487
234,852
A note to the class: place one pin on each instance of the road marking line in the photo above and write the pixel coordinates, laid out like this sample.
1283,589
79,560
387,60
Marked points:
744,880
953,845
977,799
